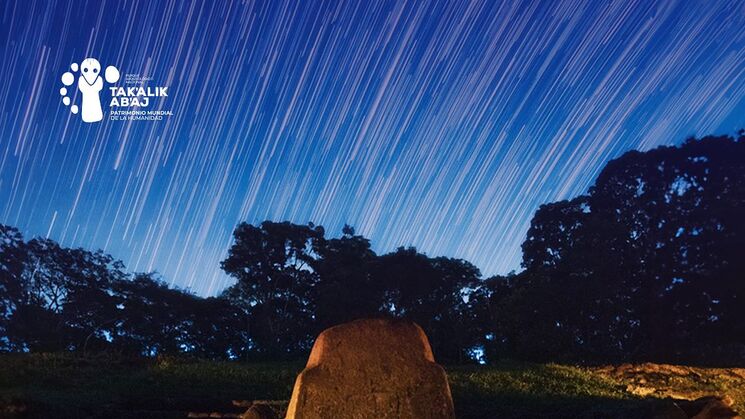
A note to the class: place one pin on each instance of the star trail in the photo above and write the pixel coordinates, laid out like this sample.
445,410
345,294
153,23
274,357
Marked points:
442,125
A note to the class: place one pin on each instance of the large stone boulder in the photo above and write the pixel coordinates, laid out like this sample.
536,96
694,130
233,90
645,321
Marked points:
372,369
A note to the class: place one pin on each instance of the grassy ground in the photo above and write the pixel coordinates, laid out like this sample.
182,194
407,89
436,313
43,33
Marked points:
62,386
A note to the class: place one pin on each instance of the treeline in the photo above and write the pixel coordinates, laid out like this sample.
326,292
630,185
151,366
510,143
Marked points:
649,265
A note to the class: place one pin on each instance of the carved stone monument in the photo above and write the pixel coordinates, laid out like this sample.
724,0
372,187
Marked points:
373,368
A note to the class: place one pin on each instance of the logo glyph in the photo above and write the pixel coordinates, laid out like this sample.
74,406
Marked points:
90,85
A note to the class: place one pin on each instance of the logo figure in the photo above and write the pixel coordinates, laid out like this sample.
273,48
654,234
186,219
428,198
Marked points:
89,85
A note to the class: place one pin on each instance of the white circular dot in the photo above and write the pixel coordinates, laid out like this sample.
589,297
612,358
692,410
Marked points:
74,66
62,91
66,100
68,78
112,74
74,108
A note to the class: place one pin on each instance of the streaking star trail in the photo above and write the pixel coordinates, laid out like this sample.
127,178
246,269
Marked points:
442,125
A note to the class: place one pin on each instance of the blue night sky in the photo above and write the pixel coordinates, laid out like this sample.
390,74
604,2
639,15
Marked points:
442,125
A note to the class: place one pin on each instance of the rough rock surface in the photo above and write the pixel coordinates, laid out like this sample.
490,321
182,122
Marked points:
372,368
672,381
709,407
260,411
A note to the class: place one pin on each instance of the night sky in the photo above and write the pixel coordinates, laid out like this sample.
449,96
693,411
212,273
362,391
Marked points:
442,125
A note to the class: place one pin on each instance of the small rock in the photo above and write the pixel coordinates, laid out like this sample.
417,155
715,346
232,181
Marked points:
640,390
717,409
709,407
729,401
260,411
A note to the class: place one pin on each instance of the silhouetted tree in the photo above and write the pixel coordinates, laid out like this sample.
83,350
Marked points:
435,293
346,289
217,329
272,264
494,330
12,262
648,265
36,323
153,318
89,307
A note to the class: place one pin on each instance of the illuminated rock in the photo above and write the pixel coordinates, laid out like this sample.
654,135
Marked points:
259,411
372,369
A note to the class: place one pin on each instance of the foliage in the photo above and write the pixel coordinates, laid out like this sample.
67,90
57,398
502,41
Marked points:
272,267
648,265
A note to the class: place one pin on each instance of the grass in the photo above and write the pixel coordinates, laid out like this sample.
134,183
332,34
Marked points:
530,390
62,386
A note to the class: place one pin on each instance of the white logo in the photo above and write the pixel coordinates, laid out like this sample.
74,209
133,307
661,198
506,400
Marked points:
89,85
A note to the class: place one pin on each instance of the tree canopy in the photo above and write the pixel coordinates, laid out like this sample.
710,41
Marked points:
648,265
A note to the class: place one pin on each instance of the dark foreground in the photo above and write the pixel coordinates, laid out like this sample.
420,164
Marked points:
64,386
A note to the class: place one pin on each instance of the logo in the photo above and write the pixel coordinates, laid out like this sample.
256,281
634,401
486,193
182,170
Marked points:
90,85
134,101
